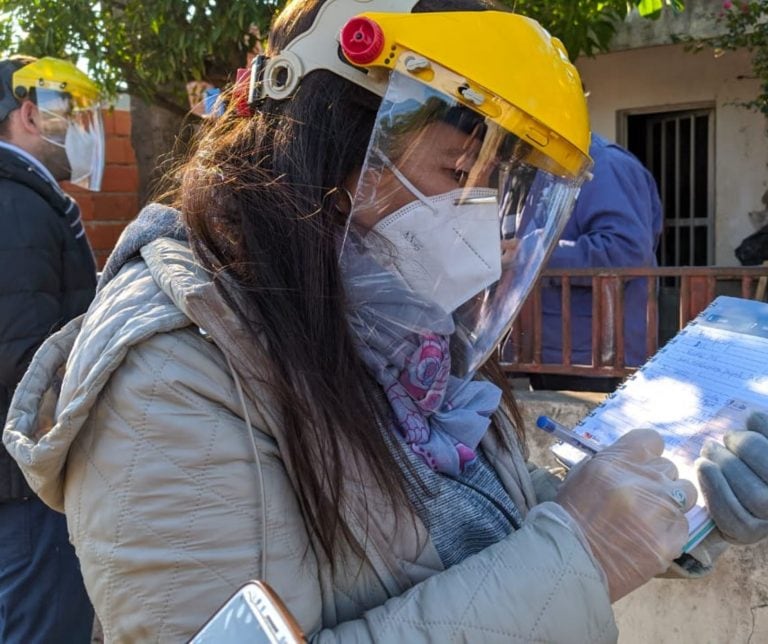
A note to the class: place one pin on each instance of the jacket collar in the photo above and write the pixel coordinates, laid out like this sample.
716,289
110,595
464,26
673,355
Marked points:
20,167
33,162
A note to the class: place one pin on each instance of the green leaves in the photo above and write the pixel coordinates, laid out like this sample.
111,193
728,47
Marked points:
152,46
586,27
155,46
650,8
744,25
653,8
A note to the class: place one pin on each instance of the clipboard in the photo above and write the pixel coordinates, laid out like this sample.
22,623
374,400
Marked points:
701,384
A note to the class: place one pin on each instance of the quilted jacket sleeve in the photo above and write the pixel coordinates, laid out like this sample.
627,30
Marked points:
538,585
164,508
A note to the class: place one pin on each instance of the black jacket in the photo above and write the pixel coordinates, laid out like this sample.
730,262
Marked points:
47,277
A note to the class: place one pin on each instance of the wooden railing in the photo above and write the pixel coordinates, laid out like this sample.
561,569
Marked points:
692,288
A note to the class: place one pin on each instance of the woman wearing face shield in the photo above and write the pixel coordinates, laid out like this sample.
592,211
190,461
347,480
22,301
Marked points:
287,375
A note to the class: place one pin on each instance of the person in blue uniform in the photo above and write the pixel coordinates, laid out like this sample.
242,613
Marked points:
617,222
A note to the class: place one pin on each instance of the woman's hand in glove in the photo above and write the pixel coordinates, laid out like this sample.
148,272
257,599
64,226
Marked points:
631,507
734,481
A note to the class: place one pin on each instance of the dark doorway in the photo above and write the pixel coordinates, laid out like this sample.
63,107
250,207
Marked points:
678,148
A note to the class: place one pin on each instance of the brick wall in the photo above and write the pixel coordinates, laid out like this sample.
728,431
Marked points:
106,213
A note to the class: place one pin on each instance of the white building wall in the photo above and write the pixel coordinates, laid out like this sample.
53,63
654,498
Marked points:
666,78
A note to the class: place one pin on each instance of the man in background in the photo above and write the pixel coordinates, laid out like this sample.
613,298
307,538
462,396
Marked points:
50,130
617,222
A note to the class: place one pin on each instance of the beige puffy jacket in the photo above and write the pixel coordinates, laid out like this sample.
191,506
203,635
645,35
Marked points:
171,506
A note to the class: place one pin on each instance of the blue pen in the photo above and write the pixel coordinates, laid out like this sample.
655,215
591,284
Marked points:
564,434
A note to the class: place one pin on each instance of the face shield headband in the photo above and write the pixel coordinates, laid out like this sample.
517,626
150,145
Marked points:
459,212
78,131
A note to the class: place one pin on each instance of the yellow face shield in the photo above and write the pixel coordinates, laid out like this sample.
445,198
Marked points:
515,75
70,115
59,76
505,66
478,152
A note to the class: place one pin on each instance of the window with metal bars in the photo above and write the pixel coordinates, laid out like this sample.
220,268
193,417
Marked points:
677,147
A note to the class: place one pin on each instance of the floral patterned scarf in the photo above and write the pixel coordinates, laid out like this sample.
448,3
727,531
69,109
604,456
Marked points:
403,341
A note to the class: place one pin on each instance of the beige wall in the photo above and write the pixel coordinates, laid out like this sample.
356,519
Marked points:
666,78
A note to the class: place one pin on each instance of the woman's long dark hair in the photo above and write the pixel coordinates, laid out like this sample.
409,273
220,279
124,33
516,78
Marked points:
258,197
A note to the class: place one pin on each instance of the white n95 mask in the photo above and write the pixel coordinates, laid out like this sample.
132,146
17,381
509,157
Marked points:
82,139
78,145
446,248
85,154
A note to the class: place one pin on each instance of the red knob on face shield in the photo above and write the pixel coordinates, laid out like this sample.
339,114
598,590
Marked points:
362,40
240,92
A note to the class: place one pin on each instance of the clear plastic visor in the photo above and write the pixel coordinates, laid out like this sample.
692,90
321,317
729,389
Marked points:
458,213
452,220
77,127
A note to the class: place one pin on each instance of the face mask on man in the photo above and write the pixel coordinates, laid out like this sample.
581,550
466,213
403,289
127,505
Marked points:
78,145
447,248
81,146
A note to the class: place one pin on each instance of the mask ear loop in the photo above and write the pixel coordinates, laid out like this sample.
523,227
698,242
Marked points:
348,214
347,209
404,180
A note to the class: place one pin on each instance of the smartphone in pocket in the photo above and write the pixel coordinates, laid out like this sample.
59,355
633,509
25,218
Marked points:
254,614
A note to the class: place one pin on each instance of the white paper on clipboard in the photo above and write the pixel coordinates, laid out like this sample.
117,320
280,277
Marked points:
701,384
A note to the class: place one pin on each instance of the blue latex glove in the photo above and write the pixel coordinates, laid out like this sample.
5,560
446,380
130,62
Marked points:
734,481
